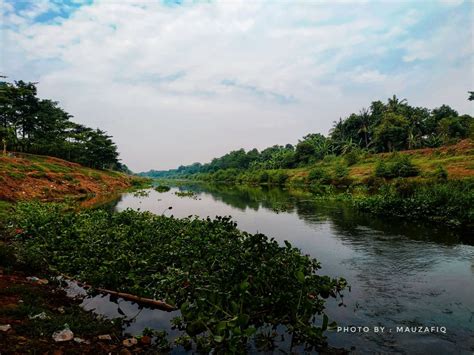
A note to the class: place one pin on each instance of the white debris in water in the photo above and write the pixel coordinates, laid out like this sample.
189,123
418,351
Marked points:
41,316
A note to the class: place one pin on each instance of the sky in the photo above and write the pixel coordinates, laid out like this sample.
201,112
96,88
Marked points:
175,82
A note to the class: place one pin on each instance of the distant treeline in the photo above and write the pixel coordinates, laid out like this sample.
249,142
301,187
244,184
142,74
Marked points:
383,127
29,124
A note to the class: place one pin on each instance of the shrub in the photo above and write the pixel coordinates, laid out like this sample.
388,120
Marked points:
440,173
279,177
396,166
162,188
318,174
352,157
450,202
263,177
373,183
341,171
341,176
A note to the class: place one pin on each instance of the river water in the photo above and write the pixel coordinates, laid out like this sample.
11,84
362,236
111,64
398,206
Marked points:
403,276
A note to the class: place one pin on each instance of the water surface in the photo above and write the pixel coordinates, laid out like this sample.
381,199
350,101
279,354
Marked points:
401,274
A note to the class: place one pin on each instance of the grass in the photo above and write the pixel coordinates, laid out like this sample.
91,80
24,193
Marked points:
28,176
458,161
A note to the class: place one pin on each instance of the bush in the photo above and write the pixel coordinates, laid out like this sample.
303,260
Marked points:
279,178
373,183
440,173
319,175
162,188
396,166
450,202
263,177
352,157
341,171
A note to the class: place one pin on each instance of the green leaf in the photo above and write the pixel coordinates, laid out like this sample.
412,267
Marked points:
244,285
243,319
218,338
250,331
221,326
300,276
325,322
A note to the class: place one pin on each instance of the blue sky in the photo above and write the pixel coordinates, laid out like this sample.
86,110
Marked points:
176,82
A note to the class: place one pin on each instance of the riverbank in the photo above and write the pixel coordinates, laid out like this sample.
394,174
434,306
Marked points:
26,177
433,184
32,309
225,283
33,304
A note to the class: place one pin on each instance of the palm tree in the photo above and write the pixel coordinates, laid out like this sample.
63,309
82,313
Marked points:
394,104
364,119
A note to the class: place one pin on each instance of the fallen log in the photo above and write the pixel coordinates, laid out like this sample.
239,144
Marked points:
162,305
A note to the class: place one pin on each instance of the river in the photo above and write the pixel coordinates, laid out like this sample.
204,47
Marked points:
404,277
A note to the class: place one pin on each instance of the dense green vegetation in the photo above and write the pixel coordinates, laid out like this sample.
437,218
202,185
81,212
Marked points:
362,157
449,202
383,127
228,284
29,124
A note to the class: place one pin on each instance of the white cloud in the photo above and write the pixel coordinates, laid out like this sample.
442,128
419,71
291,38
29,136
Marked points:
152,74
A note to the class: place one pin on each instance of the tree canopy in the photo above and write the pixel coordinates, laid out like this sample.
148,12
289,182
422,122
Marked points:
29,124
382,127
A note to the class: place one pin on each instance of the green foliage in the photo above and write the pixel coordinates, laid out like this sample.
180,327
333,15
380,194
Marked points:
29,124
190,194
396,166
162,188
392,133
450,202
16,175
352,157
141,193
278,177
440,173
226,283
319,175
341,171
383,127
263,177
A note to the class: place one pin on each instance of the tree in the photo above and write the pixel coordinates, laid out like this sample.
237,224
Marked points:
313,146
392,133
455,128
396,105
7,136
39,126
364,125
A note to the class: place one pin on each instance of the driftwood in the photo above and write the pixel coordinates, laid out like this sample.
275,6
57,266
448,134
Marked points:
126,296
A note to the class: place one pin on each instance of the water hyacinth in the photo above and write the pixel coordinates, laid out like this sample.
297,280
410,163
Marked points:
226,283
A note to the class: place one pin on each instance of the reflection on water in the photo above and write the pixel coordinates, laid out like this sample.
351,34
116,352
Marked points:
401,273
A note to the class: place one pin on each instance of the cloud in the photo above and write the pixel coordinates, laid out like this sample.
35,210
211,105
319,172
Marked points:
177,83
